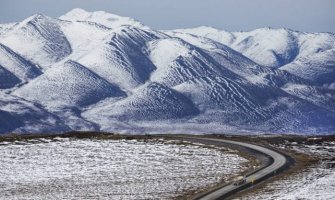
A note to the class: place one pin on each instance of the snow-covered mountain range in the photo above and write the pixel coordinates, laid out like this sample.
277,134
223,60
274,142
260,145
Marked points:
99,71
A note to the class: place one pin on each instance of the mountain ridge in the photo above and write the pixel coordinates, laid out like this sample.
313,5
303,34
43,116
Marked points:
103,72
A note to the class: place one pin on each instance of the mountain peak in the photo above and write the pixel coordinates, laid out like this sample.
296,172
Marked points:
34,18
77,11
80,14
101,17
208,28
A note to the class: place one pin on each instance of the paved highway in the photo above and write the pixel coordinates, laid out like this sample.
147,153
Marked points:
278,163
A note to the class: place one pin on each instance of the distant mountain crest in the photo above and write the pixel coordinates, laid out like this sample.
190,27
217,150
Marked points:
100,17
308,55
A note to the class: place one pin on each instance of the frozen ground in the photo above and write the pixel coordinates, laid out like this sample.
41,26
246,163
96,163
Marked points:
110,169
316,182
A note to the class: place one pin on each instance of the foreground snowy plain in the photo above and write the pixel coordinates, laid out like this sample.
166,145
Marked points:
111,169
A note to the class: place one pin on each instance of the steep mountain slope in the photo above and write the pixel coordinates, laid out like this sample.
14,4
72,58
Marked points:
225,96
296,116
17,65
320,96
238,63
269,47
68,85
103,72
308,55
121,59
91,36
150,102
178,61
194,73
7,79
318,68
39,39
21,116
5,27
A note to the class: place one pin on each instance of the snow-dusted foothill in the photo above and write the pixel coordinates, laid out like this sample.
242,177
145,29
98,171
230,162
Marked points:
103,72
68,85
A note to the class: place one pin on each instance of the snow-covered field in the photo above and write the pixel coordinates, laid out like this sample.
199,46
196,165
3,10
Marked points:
110,169
316,182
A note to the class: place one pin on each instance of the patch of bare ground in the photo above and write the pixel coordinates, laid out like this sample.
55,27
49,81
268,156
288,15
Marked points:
75,134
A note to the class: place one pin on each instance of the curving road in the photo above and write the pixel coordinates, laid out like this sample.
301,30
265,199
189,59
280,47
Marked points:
278,163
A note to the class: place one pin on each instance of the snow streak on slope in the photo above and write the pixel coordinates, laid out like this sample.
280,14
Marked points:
99,71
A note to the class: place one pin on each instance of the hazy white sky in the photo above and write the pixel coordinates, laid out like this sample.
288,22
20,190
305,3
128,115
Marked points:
232,15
